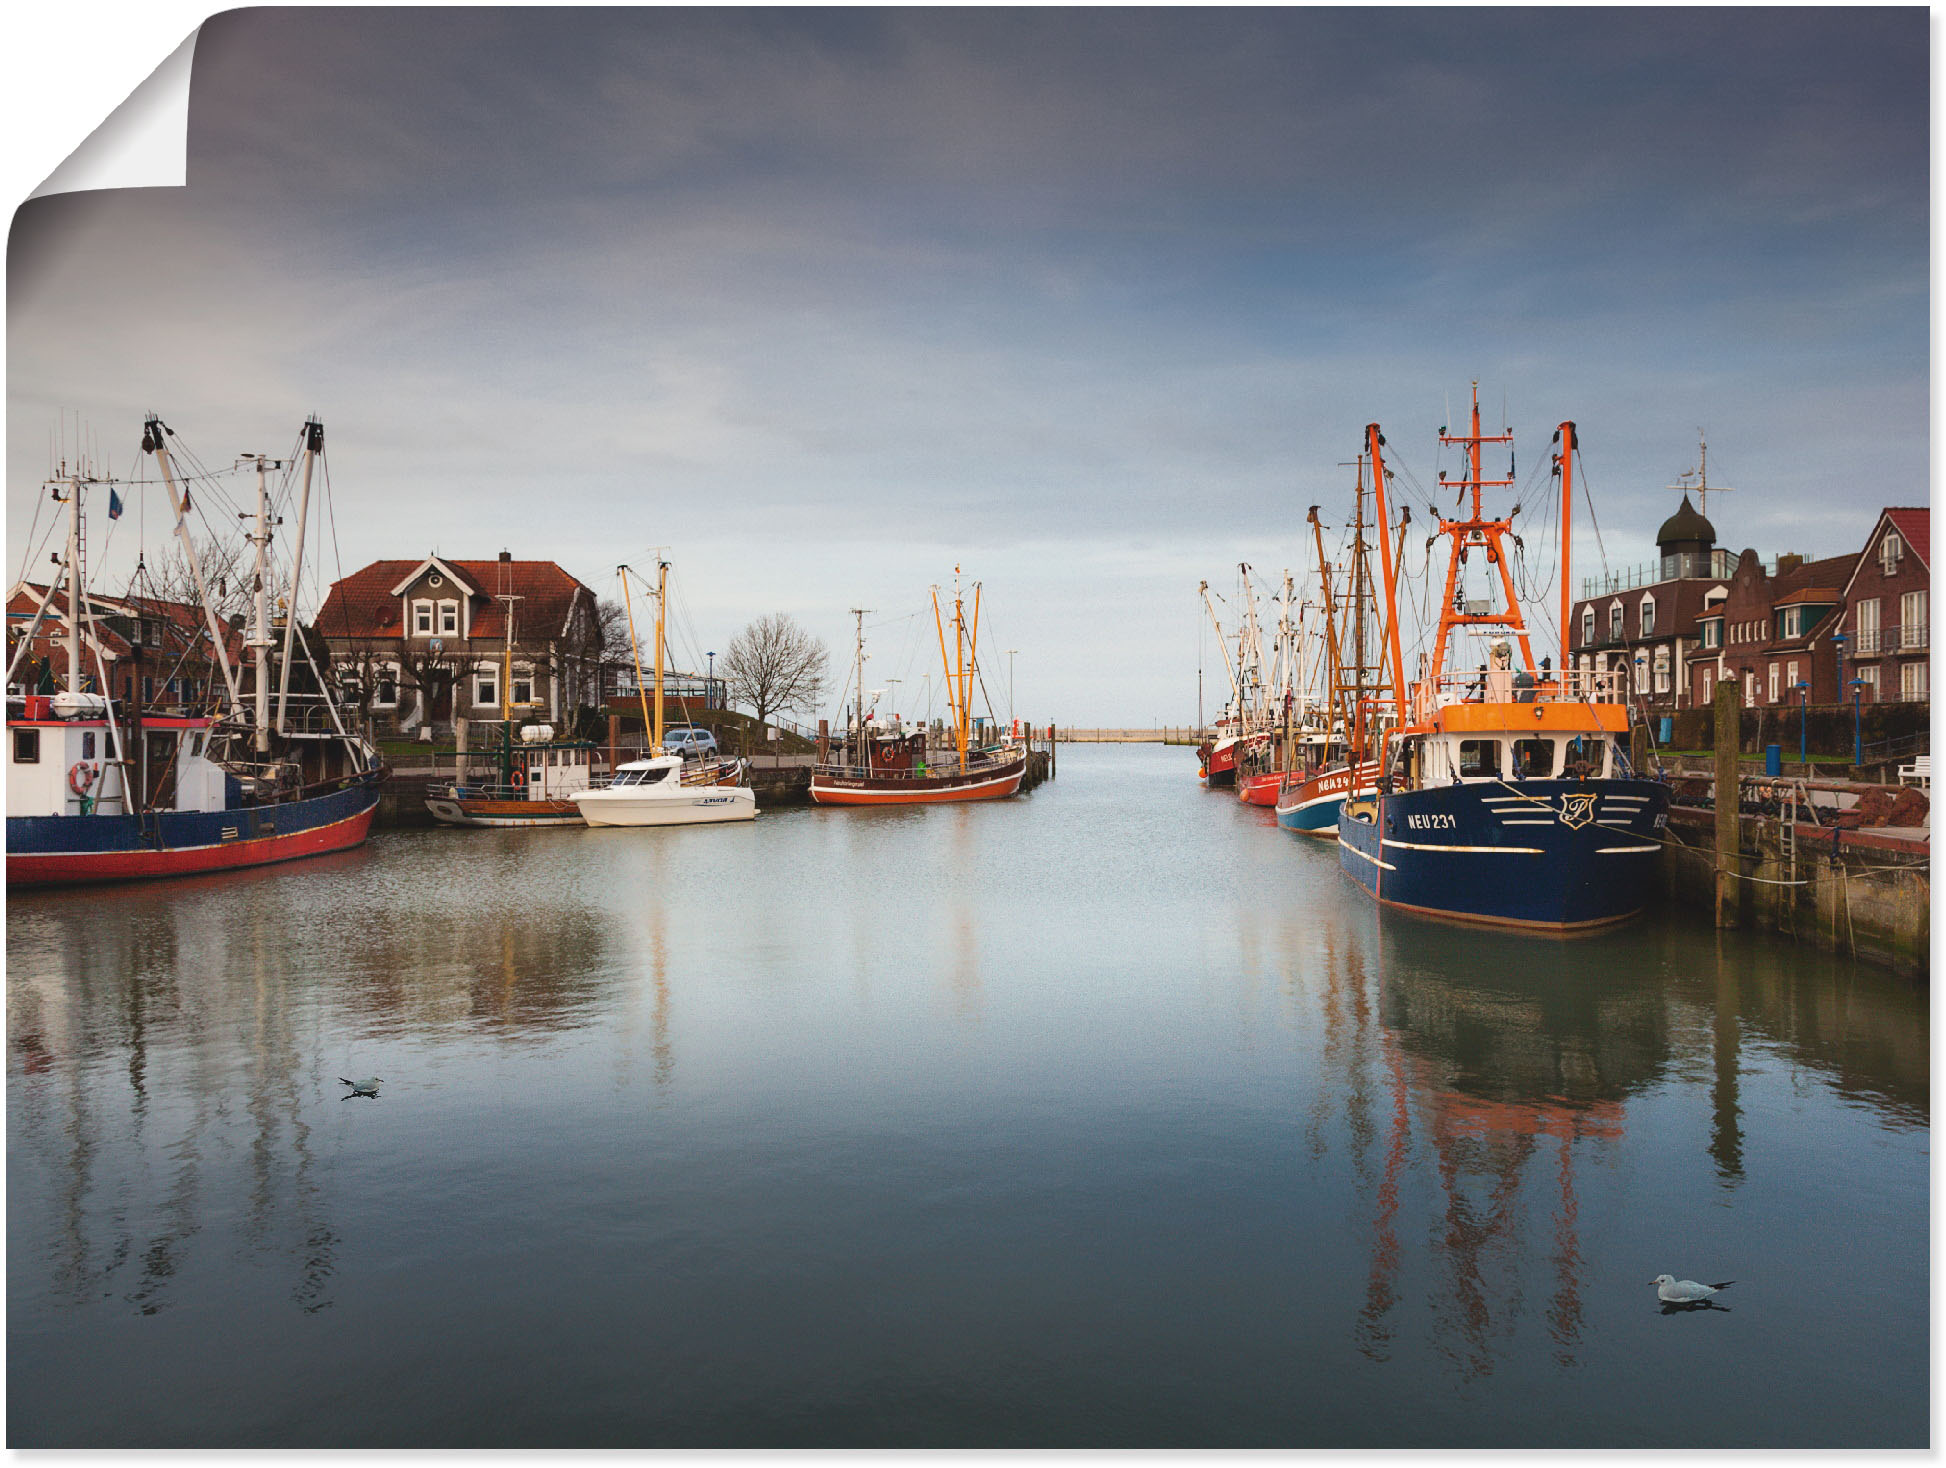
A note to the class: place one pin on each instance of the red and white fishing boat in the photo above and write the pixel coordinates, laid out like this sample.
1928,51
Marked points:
101,790
882,764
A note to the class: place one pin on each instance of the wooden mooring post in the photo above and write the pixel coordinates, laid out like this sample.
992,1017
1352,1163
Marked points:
1729,792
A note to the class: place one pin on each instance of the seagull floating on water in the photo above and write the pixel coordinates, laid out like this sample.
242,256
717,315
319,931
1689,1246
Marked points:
1673,1291
370,1085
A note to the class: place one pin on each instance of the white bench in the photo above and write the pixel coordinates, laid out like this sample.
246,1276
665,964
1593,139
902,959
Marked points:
1919,772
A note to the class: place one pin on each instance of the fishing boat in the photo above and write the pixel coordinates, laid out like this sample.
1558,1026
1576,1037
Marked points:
664,789
101,790
1341,763
534,782
536,785
880,766
1507,797
1216,756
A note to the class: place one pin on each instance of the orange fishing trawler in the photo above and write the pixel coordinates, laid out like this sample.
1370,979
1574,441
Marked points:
880,763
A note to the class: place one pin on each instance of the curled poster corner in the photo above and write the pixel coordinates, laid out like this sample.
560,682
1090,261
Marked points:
142,144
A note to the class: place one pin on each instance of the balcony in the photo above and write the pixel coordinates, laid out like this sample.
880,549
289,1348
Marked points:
1909,637
1913,637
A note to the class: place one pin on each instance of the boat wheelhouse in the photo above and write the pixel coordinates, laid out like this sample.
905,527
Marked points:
666,790
535,784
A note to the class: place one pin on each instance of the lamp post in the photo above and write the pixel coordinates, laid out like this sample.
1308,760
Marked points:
1857,723
709,686
1803,723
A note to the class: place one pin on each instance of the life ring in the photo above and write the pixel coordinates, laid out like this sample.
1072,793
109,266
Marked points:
520,778
81,779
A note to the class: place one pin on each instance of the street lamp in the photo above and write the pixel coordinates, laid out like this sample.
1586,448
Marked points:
1803,723
1857,723
709,687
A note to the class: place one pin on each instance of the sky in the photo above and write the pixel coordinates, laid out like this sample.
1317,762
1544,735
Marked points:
1091,303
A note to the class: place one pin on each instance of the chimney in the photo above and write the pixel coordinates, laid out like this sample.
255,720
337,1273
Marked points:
506,557
1788,562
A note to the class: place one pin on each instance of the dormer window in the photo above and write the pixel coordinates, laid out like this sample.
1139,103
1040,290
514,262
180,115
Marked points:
1648,616
422,619
1615,622
1587,626
1712,630
449,619
1889,551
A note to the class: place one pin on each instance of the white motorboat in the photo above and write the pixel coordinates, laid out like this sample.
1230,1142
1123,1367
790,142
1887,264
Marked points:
657,792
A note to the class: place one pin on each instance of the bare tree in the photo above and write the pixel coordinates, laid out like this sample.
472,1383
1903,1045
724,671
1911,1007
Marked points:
774,665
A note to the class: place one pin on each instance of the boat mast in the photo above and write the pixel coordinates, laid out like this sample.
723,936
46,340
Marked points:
313,436
858,674
635,652
661,607
1564,466
261,642
155,440
1375,443
1335,707
1202,588
74,582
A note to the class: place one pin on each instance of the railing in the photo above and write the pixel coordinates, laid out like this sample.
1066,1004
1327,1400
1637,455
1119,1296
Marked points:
976,764
1575,685
1718,564
1907,637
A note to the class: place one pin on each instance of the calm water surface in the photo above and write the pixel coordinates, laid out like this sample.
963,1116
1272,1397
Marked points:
1108,1115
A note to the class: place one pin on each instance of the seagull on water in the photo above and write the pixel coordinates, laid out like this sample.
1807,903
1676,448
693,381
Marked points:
369,1087
1673,1291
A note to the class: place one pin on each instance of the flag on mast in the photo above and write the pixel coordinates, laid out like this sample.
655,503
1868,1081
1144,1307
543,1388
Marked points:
114,504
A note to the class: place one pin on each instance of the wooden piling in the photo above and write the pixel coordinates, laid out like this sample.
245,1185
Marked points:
1729,839
824,741
614,741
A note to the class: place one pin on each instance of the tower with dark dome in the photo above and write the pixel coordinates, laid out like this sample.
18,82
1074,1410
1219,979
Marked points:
1685,540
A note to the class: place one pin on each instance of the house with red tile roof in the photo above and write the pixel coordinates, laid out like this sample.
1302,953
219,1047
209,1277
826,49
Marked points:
156,654
1771,633
1888,610
423,643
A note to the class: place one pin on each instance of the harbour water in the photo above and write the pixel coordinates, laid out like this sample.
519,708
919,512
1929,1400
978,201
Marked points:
1107,1115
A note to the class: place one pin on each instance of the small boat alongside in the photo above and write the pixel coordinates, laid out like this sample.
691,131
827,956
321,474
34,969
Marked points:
664,789
536,785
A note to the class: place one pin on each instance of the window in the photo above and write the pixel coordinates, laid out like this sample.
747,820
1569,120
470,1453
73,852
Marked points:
1478,758
385,693
1587,626
1790,678
27,746
486,687
1533,759
1864,626
195,745
1912,682
1707,692
1912,619
88,744
1641,675
1615,622
1749,687
1773,682
1889,551
523,687
1586,757
1662,670
148,689
1790,622
1712,629
422,619
1648,616
449,619
1869,677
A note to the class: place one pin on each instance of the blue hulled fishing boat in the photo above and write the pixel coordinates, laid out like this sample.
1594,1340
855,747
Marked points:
1506,796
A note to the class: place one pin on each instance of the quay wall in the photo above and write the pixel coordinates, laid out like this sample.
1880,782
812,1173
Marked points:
1863,892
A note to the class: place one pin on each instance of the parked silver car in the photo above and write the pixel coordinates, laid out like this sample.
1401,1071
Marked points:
689,741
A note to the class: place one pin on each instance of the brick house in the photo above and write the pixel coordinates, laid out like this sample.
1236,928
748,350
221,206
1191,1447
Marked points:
157,653
1888,607
422,643
1645,622
1772,632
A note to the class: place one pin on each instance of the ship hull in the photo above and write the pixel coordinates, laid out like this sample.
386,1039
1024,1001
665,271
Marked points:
465,810
833,787
1556,855
1219,763
1260,789
59,851
1310,807
694,805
